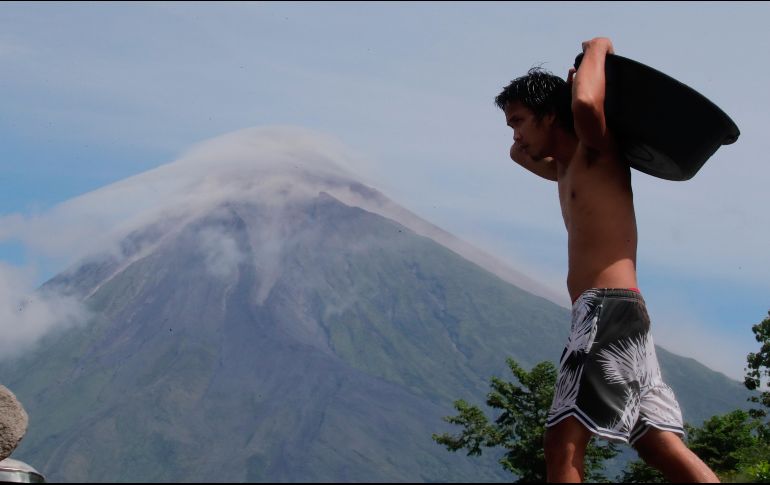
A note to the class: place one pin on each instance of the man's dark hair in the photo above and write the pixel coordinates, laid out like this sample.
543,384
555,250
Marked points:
543,93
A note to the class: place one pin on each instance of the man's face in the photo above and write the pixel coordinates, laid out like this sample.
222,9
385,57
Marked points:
529,133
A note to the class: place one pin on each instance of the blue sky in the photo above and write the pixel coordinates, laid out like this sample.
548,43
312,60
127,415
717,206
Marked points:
97,92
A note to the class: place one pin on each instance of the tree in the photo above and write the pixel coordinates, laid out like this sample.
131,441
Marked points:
720,440
754,462
520,427
640,472
759,368
737,445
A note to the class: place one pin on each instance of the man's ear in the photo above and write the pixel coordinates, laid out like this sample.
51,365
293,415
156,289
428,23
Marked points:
549,119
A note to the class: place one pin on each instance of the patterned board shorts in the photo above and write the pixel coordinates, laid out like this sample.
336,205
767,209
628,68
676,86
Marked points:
609,378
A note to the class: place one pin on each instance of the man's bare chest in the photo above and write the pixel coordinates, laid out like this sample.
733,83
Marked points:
588,190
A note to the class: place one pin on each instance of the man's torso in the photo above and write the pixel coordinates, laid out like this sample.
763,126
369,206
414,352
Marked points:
598,210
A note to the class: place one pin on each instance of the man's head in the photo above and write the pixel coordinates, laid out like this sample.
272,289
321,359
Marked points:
534,106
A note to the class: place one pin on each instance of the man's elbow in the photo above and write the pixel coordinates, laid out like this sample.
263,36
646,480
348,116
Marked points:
586,107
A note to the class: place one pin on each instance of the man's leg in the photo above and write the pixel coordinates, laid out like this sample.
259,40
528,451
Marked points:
665,451
565,447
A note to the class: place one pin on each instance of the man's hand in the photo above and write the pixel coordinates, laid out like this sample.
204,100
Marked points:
598,44
602,43
518,155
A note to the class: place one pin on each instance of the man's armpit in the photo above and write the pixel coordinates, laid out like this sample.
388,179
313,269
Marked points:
591,155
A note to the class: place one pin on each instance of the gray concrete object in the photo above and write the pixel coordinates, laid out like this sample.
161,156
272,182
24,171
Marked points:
15,471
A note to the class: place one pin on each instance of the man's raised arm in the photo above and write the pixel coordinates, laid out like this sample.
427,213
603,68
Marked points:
588,91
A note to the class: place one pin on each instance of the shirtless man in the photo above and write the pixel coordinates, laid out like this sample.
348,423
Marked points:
609,382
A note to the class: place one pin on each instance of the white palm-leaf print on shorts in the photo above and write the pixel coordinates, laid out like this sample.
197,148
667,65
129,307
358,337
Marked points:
630,360
584,331
626,421
580,340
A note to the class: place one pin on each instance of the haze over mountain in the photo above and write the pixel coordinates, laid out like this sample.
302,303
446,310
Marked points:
253,312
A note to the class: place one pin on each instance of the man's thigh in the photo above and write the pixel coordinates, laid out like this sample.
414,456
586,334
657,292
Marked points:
657,444
667,452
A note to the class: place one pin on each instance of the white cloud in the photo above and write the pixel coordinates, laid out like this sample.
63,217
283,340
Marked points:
27,315
271,165
221,253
